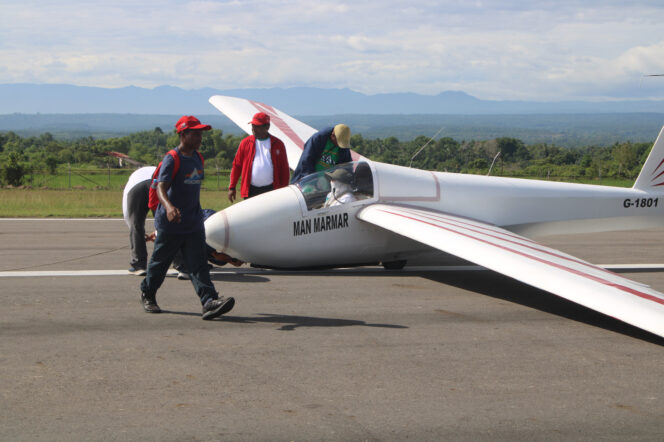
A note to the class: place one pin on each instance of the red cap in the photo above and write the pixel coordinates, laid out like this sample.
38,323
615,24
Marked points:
260,119
190,122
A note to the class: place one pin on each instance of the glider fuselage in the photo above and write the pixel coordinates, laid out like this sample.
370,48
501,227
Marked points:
287,228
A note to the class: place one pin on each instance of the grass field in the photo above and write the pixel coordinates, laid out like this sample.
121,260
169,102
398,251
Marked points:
31,203
89,194
107,179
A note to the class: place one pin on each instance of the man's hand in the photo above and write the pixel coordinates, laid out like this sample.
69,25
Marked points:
151,236
231,195
173,214
225,258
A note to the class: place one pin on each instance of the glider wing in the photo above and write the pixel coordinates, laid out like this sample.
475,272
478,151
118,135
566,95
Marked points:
527,261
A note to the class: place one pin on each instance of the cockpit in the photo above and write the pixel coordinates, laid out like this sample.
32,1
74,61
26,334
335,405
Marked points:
342,184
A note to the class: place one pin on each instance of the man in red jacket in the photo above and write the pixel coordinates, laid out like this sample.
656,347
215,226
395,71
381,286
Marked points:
260,160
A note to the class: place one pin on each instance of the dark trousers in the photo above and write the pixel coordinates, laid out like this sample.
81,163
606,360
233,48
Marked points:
253,190
193,248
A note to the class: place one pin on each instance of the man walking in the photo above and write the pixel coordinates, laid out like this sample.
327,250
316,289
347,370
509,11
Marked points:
260,161
179,223
135,198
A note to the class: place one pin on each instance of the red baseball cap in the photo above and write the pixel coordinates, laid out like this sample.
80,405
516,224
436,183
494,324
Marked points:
190,122
260,119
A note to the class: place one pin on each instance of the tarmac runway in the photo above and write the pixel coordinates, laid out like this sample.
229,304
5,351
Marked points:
349,354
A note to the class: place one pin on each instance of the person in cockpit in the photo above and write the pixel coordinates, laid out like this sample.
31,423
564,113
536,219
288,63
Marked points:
341,188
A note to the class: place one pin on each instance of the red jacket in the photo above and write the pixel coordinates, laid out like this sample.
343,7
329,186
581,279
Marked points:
244,160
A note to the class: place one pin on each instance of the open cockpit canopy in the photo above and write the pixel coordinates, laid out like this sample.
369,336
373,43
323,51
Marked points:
324,188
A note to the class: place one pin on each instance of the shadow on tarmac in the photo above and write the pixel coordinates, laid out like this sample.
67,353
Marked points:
498,286
289,322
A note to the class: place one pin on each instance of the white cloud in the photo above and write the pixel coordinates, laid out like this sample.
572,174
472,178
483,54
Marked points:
491,49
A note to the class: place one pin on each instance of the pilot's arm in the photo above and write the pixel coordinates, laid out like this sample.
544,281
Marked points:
311,152
307,162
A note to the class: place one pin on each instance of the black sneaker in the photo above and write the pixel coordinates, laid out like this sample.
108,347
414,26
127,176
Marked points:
149,303
217,307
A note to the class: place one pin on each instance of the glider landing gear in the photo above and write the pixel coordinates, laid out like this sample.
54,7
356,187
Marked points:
394,265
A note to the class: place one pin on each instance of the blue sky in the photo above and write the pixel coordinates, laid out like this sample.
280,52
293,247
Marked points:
507,50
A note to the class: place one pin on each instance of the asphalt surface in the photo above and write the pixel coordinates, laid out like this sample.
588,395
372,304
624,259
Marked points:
359,354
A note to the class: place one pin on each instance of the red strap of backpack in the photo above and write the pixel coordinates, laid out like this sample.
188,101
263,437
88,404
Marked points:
176,162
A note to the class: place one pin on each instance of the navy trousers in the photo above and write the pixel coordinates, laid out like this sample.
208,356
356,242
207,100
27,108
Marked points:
193,248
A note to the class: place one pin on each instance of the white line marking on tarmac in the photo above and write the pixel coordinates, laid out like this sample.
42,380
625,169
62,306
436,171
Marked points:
32,274
62,219
349,270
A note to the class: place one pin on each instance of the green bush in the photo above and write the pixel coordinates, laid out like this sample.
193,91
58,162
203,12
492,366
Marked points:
13,171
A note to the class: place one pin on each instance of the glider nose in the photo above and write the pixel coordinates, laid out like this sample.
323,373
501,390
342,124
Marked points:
255,230
216,231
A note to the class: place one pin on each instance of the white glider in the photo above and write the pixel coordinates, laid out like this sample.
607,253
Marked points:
401,214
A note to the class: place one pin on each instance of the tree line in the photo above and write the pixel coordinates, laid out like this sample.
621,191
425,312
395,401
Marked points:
509,156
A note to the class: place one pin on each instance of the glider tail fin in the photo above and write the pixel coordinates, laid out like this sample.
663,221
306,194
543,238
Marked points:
652,172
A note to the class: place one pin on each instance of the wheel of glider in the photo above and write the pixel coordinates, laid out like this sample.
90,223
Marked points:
394,265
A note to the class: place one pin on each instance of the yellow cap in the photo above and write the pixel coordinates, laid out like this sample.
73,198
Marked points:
342,134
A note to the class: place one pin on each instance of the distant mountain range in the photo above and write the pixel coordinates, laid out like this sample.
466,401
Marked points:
27,98
70,112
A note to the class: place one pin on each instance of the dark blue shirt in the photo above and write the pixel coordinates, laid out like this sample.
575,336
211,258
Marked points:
184,193
312,150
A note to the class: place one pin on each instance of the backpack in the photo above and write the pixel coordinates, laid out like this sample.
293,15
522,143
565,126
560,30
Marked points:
153,199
